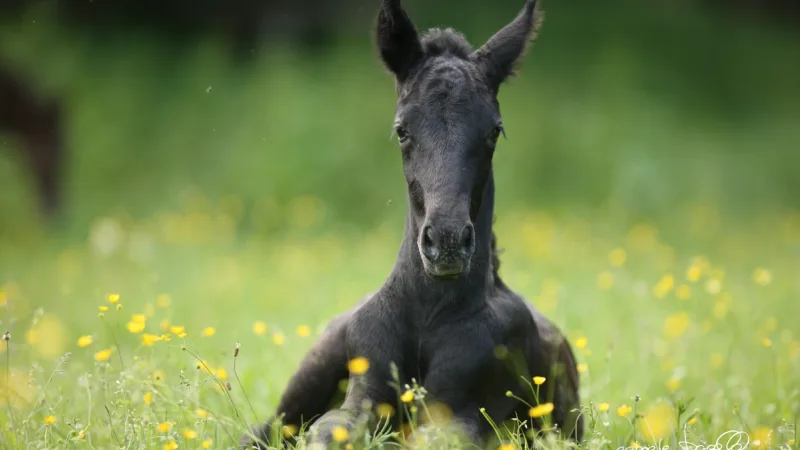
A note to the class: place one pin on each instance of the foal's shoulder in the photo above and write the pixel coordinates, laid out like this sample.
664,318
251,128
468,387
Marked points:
509,307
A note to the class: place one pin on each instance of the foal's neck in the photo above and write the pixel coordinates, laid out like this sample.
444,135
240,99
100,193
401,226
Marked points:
409,277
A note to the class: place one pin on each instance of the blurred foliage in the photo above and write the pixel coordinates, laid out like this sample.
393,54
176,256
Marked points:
641,108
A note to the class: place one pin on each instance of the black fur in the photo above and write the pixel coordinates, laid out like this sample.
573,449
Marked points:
443,312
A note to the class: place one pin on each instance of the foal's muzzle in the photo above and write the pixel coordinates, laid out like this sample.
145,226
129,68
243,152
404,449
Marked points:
446,249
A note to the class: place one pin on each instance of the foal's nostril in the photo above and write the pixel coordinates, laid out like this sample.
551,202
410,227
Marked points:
429,243
468,240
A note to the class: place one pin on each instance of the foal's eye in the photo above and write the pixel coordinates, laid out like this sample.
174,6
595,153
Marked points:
402,134
498,130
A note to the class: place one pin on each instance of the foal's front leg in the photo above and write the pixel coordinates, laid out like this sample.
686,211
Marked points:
374,333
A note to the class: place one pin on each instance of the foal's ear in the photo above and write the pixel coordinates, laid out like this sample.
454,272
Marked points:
499,54
397,38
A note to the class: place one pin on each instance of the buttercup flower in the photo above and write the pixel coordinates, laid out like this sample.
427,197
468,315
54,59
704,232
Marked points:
85,341
541,410
339,434
259,328
103,355
358,366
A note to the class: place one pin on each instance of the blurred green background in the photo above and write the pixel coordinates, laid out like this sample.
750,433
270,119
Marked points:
644,107
259,183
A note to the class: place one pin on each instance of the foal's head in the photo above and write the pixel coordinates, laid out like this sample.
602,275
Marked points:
448,123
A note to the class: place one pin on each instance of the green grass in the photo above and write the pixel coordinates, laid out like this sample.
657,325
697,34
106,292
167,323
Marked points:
703,343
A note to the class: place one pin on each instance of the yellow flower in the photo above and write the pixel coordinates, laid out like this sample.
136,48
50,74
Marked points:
541,410
762,276
664,286
201,413
358,366
693,273
103,308
581,343
716,360
164,324
624,410
507,447
582,367
683,292
692,421
278,338
81,435
85,341
602,407
385,410
791,442
203,364
164,427
676,324
673,384
617,257
177,330
103,355
113,298
207,443
222,373
339,434
259,328
3,298
289,430
635,444
139,318
209,331
163,300
303,331
50,420
766,342
407,397
605,281
762,437
189,434
171,445
148,398
149,339
539,380
136,327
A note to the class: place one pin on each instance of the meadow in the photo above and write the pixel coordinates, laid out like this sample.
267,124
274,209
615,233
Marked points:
219,217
